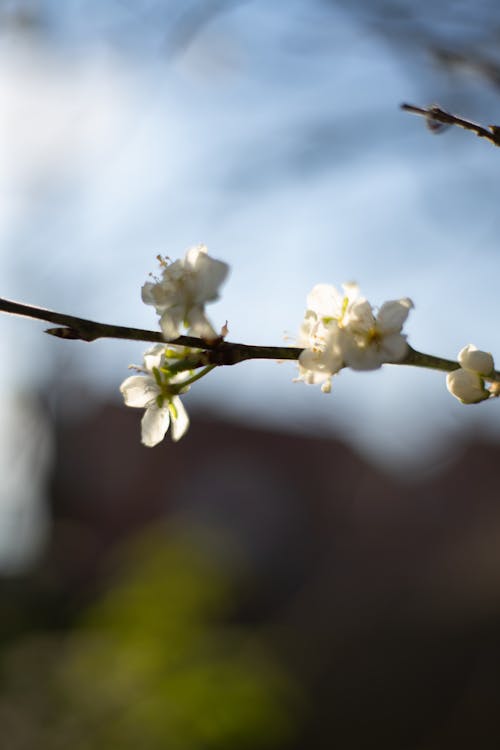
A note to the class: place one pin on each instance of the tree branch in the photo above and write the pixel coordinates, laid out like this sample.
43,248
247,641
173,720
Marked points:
435,115
217,352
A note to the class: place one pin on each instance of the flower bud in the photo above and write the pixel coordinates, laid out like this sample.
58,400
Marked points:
473,359
467,386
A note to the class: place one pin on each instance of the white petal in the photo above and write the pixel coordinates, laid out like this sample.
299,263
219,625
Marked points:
393,314
362,354
394,347
304,338
194,253
472,358
315,366
325,301
362,357
139,390
210,274
467,386
181,423
359,316
154,425
170,322
153,356
199,324
351,290
147,293
161,294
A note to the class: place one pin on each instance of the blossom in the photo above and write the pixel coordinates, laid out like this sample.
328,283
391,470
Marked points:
155,390
467,382
319,335
322,359
180,294
341,329
372,340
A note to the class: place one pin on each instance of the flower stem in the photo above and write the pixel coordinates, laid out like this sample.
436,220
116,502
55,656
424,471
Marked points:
429,361
199,375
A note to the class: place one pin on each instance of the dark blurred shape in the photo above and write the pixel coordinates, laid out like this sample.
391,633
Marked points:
255,589
25,16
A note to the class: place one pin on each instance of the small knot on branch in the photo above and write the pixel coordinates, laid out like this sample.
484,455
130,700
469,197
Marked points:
68,333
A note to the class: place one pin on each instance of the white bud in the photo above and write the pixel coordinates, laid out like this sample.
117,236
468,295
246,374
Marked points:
467,386
473,359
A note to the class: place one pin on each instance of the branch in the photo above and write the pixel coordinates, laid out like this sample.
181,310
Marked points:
217,352
436,116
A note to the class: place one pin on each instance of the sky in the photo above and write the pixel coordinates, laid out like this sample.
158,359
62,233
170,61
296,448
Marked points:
274,137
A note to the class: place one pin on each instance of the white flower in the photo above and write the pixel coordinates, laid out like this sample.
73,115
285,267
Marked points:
322,359
320,336
179,296
369,340
156,392
467,382
341,330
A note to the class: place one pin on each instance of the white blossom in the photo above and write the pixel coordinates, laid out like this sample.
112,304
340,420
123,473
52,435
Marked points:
372,340
322,356
156,391
341,329
180,294
320,334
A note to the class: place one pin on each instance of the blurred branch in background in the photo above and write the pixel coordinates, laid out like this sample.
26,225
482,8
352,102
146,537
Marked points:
192,19
461,38
436,117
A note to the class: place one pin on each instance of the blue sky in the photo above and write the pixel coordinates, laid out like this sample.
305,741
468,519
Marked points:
276,139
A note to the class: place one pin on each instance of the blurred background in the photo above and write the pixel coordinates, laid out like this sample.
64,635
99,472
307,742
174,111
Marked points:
302,570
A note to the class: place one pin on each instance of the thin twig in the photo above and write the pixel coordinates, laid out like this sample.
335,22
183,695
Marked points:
435,114
217,352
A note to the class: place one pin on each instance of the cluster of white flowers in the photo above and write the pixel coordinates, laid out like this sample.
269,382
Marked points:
467,383
179,297
342,330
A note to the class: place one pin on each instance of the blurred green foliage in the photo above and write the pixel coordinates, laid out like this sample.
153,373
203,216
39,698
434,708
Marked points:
155,662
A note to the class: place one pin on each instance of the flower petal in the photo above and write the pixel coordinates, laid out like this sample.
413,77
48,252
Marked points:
154,355
139,390
318,364
394,347
359,317
199,325
325,301
393,314
210,274
181,423
154,425
171,321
